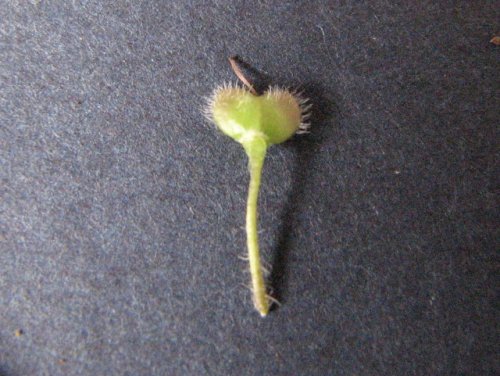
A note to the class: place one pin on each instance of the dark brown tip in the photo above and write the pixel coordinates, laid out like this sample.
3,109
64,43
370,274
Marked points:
253,79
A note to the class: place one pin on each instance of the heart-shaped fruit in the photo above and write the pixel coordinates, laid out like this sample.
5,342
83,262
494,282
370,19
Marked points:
274,116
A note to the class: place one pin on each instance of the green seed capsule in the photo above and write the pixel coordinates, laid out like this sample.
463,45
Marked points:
275,116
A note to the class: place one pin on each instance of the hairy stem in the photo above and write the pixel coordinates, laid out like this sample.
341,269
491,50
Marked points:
255,148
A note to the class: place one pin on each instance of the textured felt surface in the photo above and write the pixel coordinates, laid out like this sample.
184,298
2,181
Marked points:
122,210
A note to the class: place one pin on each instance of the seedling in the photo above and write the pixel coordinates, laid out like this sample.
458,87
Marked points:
257,122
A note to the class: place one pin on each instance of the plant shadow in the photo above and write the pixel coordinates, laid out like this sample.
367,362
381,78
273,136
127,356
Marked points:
323,120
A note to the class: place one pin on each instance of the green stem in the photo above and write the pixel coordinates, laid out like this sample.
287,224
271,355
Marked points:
255,148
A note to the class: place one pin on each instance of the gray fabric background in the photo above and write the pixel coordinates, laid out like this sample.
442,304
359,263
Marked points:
122,210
